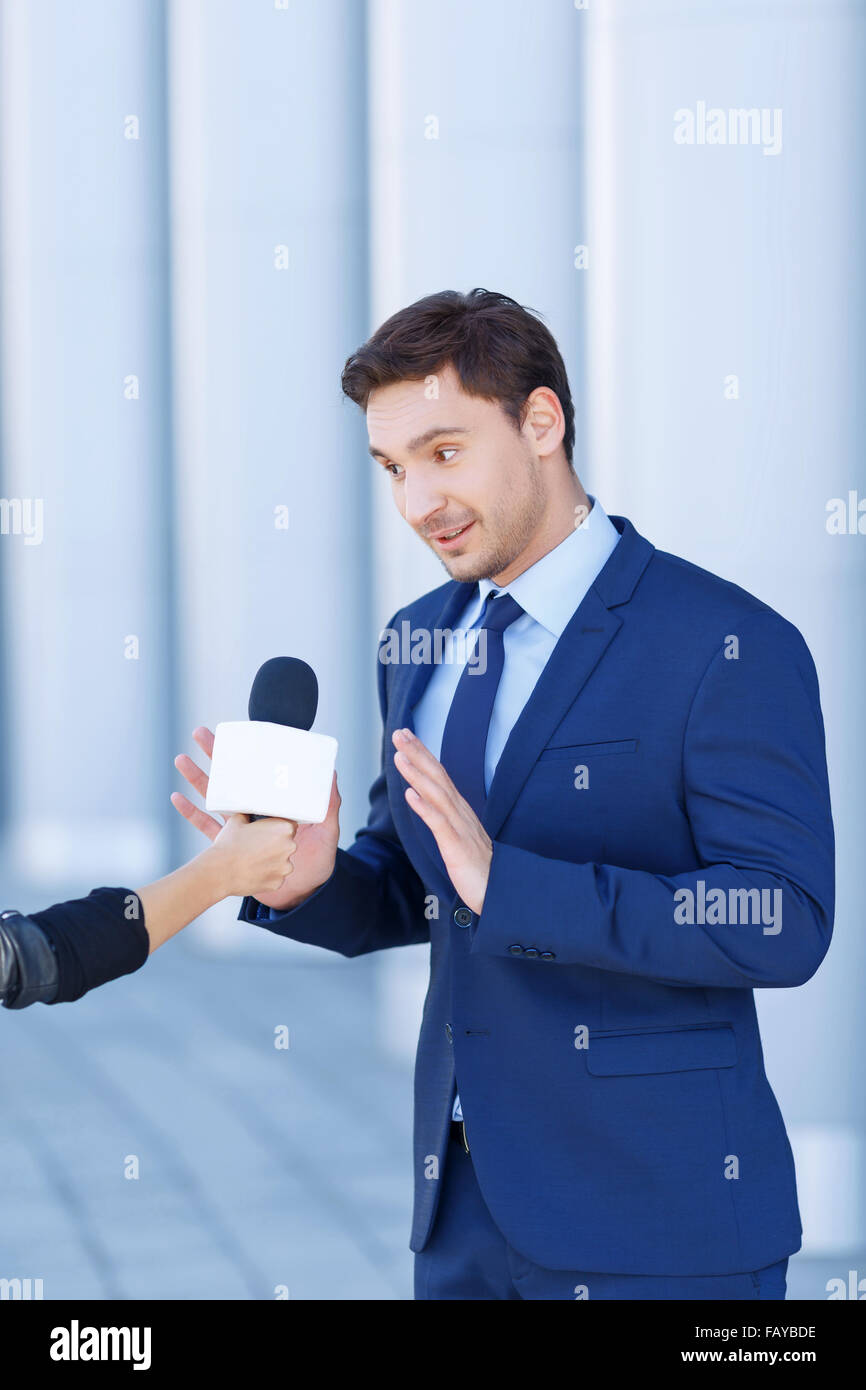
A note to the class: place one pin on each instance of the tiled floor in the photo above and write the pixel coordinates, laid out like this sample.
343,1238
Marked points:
259,1169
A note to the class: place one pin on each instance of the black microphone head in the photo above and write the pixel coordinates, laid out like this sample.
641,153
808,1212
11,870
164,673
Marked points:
285,691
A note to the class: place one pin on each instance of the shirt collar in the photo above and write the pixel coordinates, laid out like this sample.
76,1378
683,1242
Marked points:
551,589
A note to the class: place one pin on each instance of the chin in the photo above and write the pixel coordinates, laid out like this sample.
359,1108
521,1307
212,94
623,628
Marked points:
467,569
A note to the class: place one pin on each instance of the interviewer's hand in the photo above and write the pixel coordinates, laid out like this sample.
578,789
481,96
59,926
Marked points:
251,856
313,862
245,857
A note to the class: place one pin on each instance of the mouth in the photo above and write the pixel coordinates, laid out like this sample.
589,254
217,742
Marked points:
450,540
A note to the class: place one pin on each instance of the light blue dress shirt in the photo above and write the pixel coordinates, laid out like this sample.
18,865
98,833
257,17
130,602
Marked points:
549,593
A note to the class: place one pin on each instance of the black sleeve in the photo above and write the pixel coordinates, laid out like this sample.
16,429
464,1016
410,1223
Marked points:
95,939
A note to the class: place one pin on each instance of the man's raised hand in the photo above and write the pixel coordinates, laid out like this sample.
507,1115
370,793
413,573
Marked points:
465,846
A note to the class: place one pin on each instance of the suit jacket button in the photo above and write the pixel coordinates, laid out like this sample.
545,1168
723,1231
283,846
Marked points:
532,951
548,955
463,917
448,1033
516,950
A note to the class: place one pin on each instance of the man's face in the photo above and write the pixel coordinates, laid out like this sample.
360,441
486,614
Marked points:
458,463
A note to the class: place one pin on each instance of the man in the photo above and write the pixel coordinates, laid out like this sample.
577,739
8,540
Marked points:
57,955
611,829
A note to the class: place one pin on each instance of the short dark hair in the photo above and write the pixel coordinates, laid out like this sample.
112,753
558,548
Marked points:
499,349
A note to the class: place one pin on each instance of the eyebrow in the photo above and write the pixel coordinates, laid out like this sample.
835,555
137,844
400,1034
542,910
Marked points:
421,439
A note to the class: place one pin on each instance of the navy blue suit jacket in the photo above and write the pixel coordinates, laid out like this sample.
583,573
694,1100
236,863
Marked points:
662,846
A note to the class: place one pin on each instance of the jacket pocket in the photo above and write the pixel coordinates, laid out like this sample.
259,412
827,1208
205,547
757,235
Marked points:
659,1050
589,750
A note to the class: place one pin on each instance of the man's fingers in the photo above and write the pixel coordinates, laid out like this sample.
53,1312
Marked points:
418,751
204,739
438,793
436,821
332,817
195,815
420,757
197,779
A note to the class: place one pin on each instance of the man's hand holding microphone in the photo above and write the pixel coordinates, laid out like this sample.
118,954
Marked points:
313,846
272,765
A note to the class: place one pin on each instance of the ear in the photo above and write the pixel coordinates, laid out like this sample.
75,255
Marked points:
544,417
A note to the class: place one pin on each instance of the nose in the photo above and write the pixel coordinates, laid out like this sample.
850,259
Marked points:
421,501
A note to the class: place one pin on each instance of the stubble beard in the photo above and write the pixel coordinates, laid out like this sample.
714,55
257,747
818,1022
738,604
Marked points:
510,531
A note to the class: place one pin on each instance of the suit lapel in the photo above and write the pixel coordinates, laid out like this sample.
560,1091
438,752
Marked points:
582,645
572,661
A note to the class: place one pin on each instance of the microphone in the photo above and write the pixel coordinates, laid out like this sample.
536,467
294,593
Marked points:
272,765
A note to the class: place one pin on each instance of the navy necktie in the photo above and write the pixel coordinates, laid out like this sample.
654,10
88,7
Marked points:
464,738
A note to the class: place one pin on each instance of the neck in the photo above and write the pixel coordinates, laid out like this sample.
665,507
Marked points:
567,508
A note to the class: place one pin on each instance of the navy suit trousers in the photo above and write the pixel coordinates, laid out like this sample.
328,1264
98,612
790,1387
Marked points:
468,1257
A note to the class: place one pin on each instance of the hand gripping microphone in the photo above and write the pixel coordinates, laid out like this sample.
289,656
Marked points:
272,765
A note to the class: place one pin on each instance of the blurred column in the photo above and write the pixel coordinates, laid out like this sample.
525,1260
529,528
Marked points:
475,179
273,547
724,381
85,414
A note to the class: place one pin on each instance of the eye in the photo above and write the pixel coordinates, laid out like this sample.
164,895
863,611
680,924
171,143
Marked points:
447,449
389,466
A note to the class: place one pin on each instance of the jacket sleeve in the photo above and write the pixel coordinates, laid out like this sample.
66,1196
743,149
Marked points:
758,912
373,899
56,955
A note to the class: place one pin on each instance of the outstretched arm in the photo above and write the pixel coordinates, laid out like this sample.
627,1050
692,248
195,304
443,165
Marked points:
58,954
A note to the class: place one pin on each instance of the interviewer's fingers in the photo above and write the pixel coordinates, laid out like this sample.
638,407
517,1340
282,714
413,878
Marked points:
281,830
193,774
196,816
271,842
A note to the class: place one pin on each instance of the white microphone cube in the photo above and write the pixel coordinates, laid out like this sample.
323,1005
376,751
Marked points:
271,770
